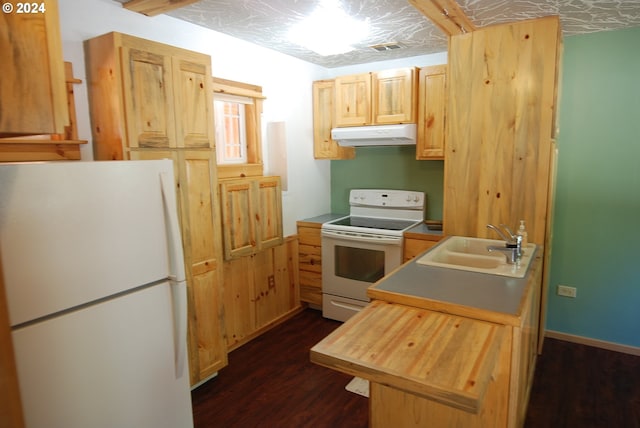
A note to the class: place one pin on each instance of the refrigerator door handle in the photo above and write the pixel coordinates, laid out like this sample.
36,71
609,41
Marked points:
177,275
176,255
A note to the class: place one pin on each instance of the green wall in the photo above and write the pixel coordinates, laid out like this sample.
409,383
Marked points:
596,245
393,167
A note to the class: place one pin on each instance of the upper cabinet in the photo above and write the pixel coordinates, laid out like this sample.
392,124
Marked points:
34,99
394,96
37,108
147,95
324,147
379,98
353,100
432,101
251,215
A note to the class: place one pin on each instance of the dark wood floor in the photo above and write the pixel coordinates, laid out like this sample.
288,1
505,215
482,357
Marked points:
270,382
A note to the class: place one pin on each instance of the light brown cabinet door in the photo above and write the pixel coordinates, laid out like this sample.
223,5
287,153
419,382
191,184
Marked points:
394,96
148,98
353,100
269,216
251,215
324,147
239,209
432,101
200,229
194,103
34,96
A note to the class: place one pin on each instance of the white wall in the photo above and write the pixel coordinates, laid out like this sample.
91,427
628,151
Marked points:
285,81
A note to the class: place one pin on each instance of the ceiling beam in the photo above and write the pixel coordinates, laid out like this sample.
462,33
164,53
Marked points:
446,15
156,7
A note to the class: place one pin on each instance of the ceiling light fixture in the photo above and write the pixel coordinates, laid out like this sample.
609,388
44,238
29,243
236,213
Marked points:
329,30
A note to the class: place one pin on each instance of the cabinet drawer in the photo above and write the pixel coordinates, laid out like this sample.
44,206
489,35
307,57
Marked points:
311,279
310,258
309,236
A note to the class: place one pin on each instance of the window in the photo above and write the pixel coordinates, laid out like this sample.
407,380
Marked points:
230,128
237,108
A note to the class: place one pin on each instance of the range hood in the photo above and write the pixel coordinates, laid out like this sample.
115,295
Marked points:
377,135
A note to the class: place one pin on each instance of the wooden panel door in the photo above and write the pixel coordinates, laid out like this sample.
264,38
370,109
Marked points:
269,216
500,116
194,103
324,147
394,96
34,97
274,285
148,98
432,100
239,300
200,233
353,100
238,217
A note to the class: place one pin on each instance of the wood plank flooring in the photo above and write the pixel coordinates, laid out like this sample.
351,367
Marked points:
270,382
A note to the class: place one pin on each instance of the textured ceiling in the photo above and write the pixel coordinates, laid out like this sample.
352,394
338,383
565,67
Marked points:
266,22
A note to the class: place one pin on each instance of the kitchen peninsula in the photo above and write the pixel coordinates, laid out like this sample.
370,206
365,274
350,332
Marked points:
441,362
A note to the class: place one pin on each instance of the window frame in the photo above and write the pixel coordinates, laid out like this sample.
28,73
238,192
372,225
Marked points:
222,115
254,164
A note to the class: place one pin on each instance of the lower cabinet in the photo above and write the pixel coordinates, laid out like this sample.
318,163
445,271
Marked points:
196,183
260,291
310,262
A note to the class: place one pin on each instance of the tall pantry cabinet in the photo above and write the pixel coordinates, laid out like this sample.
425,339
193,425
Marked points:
153,101
501,112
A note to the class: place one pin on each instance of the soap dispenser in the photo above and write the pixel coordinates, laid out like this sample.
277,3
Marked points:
522,231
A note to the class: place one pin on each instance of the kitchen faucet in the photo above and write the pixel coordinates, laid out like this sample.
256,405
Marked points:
513,243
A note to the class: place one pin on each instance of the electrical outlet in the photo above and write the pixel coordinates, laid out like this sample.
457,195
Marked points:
565,290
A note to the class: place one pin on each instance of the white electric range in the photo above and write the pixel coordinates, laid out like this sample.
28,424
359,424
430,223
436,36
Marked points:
361,248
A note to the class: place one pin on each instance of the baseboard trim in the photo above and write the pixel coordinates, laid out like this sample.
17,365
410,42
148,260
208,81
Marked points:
611,346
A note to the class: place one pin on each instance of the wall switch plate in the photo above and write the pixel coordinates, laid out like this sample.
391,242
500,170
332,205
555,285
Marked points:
565,290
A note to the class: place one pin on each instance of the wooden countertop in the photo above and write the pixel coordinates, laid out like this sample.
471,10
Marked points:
318,220
445,358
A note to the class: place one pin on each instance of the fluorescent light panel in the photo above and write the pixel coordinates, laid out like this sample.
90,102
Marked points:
329,30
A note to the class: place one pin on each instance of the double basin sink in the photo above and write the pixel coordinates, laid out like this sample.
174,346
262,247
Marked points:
471,254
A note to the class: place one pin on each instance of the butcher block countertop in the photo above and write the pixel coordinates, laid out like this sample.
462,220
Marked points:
446,358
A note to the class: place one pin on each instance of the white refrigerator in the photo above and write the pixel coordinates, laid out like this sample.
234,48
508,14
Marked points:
94,275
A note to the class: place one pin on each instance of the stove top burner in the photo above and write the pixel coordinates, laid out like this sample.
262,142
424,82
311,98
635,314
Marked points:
375,223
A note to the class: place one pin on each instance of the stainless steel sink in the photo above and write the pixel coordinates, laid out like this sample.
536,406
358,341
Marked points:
471,254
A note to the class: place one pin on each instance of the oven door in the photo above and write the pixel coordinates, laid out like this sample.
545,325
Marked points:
351,262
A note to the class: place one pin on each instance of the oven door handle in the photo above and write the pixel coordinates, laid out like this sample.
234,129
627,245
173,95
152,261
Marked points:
358,237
